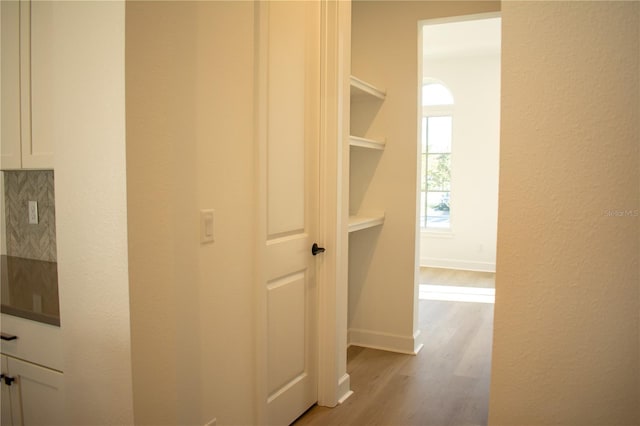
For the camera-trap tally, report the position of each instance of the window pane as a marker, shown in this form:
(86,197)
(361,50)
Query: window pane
(423,135)
(436,94)
(423,209)
(423,173)
(439,134)
(438,172)
(438,210)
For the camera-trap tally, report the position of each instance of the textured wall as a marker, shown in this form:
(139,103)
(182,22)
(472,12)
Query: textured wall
(87,72)
(24,239)
(566,347)
(189,77)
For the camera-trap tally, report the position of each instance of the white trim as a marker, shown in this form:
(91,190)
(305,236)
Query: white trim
(417,342)
(465,265)
(385,341)
(361,87)
(344,388)
(357,223)
(261,392)
(332,225)
(357,141)
(460,18)
(437,111)
(434,233)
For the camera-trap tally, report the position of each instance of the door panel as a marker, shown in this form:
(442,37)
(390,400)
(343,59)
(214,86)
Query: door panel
(286,88)
(286,323)
(292,133)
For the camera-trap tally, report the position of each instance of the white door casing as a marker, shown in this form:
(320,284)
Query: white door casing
(287,123)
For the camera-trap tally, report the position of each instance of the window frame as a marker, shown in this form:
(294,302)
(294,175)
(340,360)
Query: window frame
(426,113)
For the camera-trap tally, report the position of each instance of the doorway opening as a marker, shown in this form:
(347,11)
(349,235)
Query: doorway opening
(459,137)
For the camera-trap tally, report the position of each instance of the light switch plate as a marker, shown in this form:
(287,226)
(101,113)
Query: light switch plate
(206,226)
(33,212)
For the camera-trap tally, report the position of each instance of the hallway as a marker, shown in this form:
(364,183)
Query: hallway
(447,383)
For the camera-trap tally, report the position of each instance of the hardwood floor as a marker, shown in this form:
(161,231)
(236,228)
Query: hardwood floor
(441,276)
(447,383)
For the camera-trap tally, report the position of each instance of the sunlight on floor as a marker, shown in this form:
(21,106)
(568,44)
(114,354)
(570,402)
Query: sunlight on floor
(457,294)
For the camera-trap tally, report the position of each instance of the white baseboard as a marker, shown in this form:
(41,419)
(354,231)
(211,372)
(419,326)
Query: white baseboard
(384,341)
(464,265)
(344,388)
(417,342)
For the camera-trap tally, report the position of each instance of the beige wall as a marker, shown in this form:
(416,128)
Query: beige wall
(190,147)
(382,278)
(87,72)
(566,315)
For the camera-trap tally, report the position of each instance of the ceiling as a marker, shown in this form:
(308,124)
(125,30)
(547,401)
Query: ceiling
(468,38)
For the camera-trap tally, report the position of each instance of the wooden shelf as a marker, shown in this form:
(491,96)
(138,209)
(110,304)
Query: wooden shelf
(366,143)
(361,88)
(357,223)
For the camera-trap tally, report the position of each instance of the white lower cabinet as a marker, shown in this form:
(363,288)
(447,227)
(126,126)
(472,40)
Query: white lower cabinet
(32,383)
(34,394)
(7,408)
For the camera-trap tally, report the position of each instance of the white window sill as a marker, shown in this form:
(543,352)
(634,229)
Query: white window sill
(432,233)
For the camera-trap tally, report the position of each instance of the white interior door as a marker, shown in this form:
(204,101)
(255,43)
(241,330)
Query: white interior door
(290,102)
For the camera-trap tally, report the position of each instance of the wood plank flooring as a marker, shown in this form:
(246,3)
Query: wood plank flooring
(447,383)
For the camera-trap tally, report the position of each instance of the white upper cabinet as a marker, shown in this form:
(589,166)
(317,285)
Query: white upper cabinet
(27,124)
(10,87)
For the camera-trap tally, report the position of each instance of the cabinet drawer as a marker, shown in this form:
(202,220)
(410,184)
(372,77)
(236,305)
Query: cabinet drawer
(36,342)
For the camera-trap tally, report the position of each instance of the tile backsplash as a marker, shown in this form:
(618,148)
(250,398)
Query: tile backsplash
(24,239)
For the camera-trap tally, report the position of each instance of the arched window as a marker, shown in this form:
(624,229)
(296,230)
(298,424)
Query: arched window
(436,137)
(435,94)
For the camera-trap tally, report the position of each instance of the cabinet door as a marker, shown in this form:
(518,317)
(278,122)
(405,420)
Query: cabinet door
(36,30)
(41,393)
(10,409)
(10,156)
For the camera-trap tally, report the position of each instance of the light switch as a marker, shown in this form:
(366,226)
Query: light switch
(33,212)
(206,226)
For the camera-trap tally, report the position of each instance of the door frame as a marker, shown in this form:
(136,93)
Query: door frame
(333,381)
(332,273)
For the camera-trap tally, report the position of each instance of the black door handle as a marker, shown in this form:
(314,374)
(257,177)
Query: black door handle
(315,249)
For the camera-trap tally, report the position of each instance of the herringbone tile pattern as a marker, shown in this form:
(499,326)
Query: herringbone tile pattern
(23,239)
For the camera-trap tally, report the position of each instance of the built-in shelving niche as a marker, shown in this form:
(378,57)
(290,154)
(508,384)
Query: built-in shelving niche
(357,223)
(362,91)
